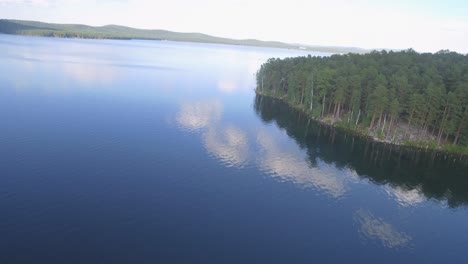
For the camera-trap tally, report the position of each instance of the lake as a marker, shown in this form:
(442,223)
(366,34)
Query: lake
(160,152)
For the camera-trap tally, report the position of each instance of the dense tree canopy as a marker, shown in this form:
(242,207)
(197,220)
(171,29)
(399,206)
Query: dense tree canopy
(380,91)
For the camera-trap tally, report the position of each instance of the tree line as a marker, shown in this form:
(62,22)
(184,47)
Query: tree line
(69,34)
(398,96)
(35,28)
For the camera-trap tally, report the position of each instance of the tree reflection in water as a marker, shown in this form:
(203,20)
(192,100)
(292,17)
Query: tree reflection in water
(416,173)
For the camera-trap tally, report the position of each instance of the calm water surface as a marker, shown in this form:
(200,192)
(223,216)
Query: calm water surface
(160,152)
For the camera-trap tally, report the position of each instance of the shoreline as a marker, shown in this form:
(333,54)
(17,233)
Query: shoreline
(415,145)
(118,32)
(161,40)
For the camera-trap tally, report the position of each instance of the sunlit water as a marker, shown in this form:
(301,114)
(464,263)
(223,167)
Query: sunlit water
(160,152)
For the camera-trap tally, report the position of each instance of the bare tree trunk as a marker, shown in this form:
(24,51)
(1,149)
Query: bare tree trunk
(357,119)
(390,126)
(394,131)
(329,107)
(312,94)
(302,96)
(372,121)
(323,105)
(409,123)
(457,135)
(383,127)
(380,120)
(442,125)
(424,124)
(262,83)
(334,110)
(338,112)
(440,136)
(460,128)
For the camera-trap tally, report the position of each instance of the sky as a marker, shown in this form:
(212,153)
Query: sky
(426,26)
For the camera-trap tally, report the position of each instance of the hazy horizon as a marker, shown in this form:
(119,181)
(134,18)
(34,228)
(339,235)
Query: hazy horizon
(426,26)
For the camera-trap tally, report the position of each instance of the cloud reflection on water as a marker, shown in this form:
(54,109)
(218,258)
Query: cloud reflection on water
(405,197)
(229,144)
(228,86)
(90,73)
(374,228)
(290,167)
(194,116)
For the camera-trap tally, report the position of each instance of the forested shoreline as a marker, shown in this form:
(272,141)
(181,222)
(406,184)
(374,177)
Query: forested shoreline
(404,98)
(437,175)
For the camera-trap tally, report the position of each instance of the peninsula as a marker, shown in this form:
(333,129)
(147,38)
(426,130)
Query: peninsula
(403,98)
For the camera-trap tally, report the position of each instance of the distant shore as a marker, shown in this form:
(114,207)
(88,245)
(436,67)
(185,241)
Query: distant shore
(35,28)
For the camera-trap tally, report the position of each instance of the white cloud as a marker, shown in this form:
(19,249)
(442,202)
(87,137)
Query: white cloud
(371,24)
(40,3)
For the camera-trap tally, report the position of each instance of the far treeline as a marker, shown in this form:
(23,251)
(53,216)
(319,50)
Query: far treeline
(35,28)
(399,97)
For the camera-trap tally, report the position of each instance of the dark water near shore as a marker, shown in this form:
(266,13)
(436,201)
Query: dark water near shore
(160,152)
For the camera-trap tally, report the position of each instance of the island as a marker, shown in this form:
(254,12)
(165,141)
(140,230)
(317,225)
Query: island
(402,98)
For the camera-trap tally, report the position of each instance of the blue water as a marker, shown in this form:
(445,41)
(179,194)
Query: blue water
(160,152)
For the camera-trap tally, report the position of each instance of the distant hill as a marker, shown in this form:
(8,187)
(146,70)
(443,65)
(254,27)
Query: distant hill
(33,28)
